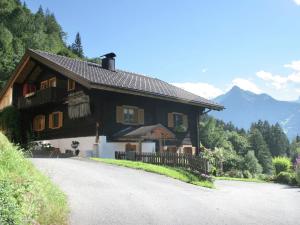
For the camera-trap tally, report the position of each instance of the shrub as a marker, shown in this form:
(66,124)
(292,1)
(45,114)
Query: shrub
(247,174)
(297,176)
(231,161)
(10,123)
(234,173)
(27,196)
(281,164)
(284,177)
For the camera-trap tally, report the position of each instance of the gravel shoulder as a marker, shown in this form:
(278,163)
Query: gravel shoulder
(100,193)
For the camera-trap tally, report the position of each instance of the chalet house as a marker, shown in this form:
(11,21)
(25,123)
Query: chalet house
(63,99)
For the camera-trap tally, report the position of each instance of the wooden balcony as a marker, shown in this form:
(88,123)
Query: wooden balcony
(42,97)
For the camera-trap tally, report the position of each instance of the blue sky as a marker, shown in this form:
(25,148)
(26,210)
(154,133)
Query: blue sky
(203,46)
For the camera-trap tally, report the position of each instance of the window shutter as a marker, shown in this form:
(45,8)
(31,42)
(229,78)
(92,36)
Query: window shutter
(60,119)
(185,121)
(170,120)
(43,123)
(141,119)
(51,120)
(119,114)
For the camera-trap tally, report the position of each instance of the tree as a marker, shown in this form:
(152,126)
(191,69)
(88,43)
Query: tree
(77,46)
(212,135)
(261,150)
(239,142)
(251,163)
(278,141)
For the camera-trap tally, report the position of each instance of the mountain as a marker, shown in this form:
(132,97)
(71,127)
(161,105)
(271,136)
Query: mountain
(244,107)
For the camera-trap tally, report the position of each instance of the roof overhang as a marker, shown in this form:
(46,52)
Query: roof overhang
(152,132)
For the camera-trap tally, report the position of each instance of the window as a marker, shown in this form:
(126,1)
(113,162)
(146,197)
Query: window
(71,85)
(130,115)
(39,123)
(44,84)
(55,120)
(52,82)
(178,119)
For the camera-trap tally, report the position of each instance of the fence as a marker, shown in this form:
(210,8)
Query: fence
(194,163)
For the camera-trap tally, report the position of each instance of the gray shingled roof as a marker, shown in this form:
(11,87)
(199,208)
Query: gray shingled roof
(119,79)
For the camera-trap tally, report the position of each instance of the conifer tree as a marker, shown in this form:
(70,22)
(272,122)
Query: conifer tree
(77,46)
(261,150)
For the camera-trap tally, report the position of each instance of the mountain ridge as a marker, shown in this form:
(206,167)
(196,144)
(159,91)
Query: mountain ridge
(245,107)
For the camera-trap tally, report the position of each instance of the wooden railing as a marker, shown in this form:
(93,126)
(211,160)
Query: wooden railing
(194,163)
(45,96)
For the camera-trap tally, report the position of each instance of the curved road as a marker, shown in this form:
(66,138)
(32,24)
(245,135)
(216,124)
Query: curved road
(105,194)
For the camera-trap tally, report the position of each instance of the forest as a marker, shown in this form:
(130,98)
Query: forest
(21,29)
(247,154)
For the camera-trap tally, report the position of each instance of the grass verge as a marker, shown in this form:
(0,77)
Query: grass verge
(175,173)
(240,179)
(26,195)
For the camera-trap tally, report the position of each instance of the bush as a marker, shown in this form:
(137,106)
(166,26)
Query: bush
(281,164)
(10,123)
(247,174)
(284,177)
(297,176)
(27,196)
(234,173)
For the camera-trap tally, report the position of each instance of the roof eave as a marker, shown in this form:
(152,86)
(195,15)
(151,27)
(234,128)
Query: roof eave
(151,95)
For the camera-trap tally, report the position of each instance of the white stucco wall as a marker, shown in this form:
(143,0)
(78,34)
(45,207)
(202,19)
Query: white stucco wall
(104,149)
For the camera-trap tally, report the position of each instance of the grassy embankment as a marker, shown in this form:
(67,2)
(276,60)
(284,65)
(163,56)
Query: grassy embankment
(175,173)
(26,195)
(241,179)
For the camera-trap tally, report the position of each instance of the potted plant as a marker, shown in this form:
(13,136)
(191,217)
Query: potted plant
(75,145)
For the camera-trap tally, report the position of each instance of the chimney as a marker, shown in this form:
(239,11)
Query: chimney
(108,62)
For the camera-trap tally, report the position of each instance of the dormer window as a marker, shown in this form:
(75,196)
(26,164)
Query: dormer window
(71,85)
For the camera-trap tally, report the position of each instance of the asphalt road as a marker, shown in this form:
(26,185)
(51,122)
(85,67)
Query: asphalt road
(105,194)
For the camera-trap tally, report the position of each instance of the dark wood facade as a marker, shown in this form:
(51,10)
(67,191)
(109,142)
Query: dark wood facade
(103,106)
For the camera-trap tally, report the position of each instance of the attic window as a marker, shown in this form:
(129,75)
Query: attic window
(71,85)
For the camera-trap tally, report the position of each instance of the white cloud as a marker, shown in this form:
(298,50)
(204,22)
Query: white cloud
(277,81)
(297,2)
(204,70)
(247,85)
(202,89)
(295,65)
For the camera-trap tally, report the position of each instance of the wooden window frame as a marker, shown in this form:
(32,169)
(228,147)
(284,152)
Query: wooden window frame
(51,80)
(60,120)
(42,117)
(71,85)
(136,114)
(171,121)
(46,83)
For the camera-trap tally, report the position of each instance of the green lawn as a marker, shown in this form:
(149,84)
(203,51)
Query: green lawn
(240,179)
(26,195)
(175,173)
